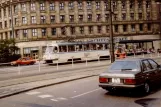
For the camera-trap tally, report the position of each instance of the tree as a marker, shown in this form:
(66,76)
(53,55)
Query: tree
(8,49)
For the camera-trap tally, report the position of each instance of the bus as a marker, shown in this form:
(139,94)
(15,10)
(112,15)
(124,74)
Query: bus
(76,51)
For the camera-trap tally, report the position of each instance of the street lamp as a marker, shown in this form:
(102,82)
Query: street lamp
(11,19)
(112,57)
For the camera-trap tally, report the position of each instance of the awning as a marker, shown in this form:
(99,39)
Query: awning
(138,41)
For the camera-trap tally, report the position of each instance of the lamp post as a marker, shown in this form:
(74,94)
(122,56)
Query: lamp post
(112,57)
(11,19)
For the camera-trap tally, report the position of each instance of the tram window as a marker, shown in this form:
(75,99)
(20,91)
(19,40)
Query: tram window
(55,50)
(99,47)
(63,49)
(85,47)
(77,47)
(106,46)
(71,48)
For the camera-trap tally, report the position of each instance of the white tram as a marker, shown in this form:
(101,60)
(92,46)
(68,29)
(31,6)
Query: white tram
(73,51)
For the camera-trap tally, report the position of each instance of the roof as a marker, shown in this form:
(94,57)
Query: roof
(137,41)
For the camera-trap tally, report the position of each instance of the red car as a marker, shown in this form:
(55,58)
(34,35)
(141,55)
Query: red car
(24,61)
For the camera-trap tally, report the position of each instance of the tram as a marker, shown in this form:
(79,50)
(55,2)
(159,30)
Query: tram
(76,51)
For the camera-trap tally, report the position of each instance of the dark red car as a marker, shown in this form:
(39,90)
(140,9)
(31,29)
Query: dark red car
(24,61)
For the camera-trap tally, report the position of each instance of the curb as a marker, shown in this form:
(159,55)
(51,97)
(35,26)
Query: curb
(42,86)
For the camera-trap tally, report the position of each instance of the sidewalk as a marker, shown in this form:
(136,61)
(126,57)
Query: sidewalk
(79,71)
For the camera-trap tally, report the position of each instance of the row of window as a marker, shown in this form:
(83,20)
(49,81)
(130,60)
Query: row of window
(71,6)
(72,30)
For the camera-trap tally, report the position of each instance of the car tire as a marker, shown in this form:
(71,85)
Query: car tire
(146,88)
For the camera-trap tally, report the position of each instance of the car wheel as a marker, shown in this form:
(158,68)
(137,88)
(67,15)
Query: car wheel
(146,88)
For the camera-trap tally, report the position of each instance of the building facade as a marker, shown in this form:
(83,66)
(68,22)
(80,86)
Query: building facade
(33,23)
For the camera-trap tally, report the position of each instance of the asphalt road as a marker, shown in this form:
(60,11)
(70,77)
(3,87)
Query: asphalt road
(80,93)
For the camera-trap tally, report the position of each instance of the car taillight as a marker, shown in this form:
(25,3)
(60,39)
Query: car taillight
(130,81)
(103,80)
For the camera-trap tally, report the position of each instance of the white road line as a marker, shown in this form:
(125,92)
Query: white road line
(33,93)
(85,93)
(61,98)
(54,100)
(45,96)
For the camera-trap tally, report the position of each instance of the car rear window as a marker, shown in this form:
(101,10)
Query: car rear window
(124,65)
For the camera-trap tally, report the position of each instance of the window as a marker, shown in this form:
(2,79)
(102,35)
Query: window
(106,5)
(62,18)
(24,20)
(4,11)
(148,16)
(132,16)
(123,4)
(99,29)
(34,32)
(141,27)
(42,19)
(107,29)
(140,4)
(71,5)
(16,21)
(24,32)
(72,30)
(33,19)
(114,4)
(33,7)
(80,6)
(98,17)
(148,3)
(23,7)
(80,18)
(132,4)
(116,28)
(61,6)
(149,26)
(63,30)
(89,17)
(43,31)
(1,25)
(52,18)
(5,24)
(90,29)
(15,9)
(97,5)
(89,7)
(115,17)
(71,17)
(147,65)
(124,28)
(42,6)
(81,29)
(140,16)
(52,6)
(133,28)
(153,64)
(123,16)
(53,31)
(106,17)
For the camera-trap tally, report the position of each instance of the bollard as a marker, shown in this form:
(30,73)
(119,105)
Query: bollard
(19,71)
(57,65)
(86,61)
(72,62)
(143,55)
(39,65)
(98,60)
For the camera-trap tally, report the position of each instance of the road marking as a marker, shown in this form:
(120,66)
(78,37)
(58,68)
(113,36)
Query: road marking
(54,100)
(45,96)
(85,93)
(33,93)
(61,98)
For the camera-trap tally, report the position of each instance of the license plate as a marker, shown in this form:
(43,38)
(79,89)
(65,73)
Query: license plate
(116,80)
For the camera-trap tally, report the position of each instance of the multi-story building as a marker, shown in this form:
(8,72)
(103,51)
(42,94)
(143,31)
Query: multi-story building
(34,22)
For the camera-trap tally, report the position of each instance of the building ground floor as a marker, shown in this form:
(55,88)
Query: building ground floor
(36,49)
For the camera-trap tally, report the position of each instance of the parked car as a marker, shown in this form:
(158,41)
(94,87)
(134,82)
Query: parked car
(131,74)
(24,61)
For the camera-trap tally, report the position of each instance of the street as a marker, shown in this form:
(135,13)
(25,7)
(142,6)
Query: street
(79,93)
